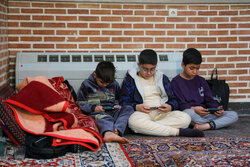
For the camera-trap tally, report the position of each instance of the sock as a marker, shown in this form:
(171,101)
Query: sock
(191,132)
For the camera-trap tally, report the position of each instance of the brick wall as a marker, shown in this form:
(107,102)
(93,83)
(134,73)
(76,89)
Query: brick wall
(220,31)
(3,44)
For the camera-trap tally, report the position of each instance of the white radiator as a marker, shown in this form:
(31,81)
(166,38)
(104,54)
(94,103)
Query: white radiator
(75,67)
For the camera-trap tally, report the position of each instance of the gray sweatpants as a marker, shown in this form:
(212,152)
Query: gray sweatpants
(226,119)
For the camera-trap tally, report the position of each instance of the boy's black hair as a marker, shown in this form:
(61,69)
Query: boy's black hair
(148,56)
(191,56)
(105,70)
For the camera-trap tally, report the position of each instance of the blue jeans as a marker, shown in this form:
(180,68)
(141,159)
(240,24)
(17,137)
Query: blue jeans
(225,120)
(108,121)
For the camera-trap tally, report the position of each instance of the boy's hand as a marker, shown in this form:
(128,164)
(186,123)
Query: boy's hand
(200,110)
(165,108)
(220,112)
(143,108)
(99,108)
(118,106)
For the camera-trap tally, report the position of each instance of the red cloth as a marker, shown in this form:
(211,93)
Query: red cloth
(41,109)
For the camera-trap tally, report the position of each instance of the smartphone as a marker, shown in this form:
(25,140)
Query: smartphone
(155,108)
(110,108)
(213,110)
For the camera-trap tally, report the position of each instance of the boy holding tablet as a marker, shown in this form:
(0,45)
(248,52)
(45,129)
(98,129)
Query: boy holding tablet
(195,97)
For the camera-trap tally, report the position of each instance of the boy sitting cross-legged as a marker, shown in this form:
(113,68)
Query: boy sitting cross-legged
(194,95)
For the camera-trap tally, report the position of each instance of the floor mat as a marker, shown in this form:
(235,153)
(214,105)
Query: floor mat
(209,151)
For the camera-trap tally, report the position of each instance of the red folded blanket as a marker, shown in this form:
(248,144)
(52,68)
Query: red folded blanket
(42,110)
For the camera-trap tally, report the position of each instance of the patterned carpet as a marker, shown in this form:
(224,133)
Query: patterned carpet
(209,151)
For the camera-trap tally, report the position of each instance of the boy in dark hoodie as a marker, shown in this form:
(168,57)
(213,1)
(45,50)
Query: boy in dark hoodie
(98,97)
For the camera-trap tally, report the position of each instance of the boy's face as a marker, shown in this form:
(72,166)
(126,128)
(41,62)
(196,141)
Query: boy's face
(100,82)
(190,70)
(146,70)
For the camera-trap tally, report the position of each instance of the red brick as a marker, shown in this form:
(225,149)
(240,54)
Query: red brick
(242,65)
(227,25)
(31,10)
(207,13)
(66,46)
(245,25)
(237,84)
(206,39)
(227,39)
(218,32)
(244,38)
(66,5)
(244,91)
(55,11)
(111,6)
(176,19)
(237,72)
(197,33)
(144,13)
(143,39)
(185,26)
(133,19)
(99,39)
(161,6)
(77,39)
(176,33)
(219,7)
(66,18)
(89,46)
(13,24)
(19,46)
(155,33)
(229,13)
(186,13)
(133,33)
(100,12)
(122,12)
(197,19)
(45,46)
(18,17)
(99,25)
(245,12)
(112,32)
(88,18)
(196,45)
(219,19)
(89,32)
(194,7)
(31,24)
(216,59)
(225,66)
(111,46)
(162,13)
(18,4)
(13,10)
(179,7)
(143,26)
(177,46)
(13,39)
(121,39)
(240,7)
(238,45)
(19,31)
(217,45)
(42,17)
(240,19)
(44,32)
(31,39)
(78,11)
(132,6)
(77,25)
(54,25)
(132,46)
(66,32)
(89,5)
(43,5)
(240,32)
(243,52)
(164,39)
(111,19)
(164,26)
(54,39)
(206,26)
(227,52)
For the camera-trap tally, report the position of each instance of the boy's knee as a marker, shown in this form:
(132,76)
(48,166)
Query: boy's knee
(189,111)
(232,114)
